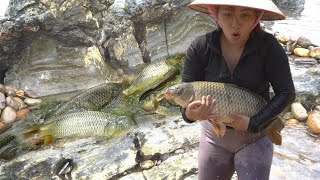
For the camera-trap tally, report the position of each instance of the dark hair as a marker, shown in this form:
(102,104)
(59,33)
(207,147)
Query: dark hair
(257,31)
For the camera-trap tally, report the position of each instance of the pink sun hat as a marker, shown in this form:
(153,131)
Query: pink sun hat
(269,9)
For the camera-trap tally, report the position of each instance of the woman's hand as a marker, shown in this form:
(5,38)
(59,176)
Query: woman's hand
(238,122)
(201,110)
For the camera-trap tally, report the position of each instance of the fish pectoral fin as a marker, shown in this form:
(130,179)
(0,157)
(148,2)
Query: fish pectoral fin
(219,128)
(150,105)
(48,139)
(89,106)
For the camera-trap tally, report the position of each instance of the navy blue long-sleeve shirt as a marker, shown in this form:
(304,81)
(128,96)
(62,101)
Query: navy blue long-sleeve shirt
(263,62)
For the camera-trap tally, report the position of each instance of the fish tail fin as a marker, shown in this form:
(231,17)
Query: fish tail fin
(28,137)
(274,136)
(274,131)
(36,134)
(31,130)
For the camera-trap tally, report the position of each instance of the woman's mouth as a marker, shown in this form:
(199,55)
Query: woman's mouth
(235,36)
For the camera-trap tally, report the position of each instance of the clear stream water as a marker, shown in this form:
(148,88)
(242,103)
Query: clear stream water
(299,156)
(307,24)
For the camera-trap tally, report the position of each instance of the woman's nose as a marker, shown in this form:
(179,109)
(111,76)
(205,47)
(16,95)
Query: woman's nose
(235,22)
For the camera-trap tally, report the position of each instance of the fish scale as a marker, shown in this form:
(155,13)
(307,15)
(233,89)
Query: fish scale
(152,75)
(98,96)
(230,98)
(88,123)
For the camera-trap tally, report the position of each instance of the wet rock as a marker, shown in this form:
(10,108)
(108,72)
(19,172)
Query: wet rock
(8,153)
(2,89)
(22,113)
(2,101)
(304,61)
(32,102)
(314,51)
(304,42)
(10,101)
(8,115)
(147,164)
(31,94)
(2,127)
(298,111)
(293,7)
(287,115)
(20,93)
(302,52)
(291,122)
(313,122)
(21,103)
(282,38)
(316,108)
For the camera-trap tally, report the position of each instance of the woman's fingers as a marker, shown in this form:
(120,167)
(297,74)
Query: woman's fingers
(194,104)
(202,109)
(212,104)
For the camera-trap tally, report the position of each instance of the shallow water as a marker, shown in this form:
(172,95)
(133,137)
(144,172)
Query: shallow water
(307,24)
(298,156)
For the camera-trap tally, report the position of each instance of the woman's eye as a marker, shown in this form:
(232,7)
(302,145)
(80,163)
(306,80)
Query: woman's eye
(244,15)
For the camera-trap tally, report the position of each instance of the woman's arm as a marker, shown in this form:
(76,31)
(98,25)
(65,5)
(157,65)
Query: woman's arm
(193,68)
(278,74)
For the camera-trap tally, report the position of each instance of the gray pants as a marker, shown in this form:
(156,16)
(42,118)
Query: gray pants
(249,154)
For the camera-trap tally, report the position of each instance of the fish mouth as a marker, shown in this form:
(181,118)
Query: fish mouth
(168,95)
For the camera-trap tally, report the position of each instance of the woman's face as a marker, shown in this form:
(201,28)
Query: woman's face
(236,23)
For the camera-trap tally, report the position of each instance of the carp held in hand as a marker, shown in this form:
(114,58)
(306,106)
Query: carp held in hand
(231,98)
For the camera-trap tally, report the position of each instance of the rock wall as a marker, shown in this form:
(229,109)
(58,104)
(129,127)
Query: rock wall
(57,46)
(85,42)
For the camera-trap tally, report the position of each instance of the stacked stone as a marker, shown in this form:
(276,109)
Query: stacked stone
(300,49)
(310,118)
(15,104)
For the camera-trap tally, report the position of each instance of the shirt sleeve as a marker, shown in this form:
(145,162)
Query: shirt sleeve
(278,73)
(193,68)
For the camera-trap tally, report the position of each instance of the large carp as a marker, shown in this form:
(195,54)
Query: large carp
(91,99)
(231,98)
(154,74)
(87,123)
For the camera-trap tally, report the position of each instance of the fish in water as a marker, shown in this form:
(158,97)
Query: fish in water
(84,124)
(231,98)
(91,99)
(154,74)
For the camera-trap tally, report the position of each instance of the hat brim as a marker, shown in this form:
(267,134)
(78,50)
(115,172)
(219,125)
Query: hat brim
(271,11)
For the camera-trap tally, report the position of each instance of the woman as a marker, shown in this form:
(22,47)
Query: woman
(241,53)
